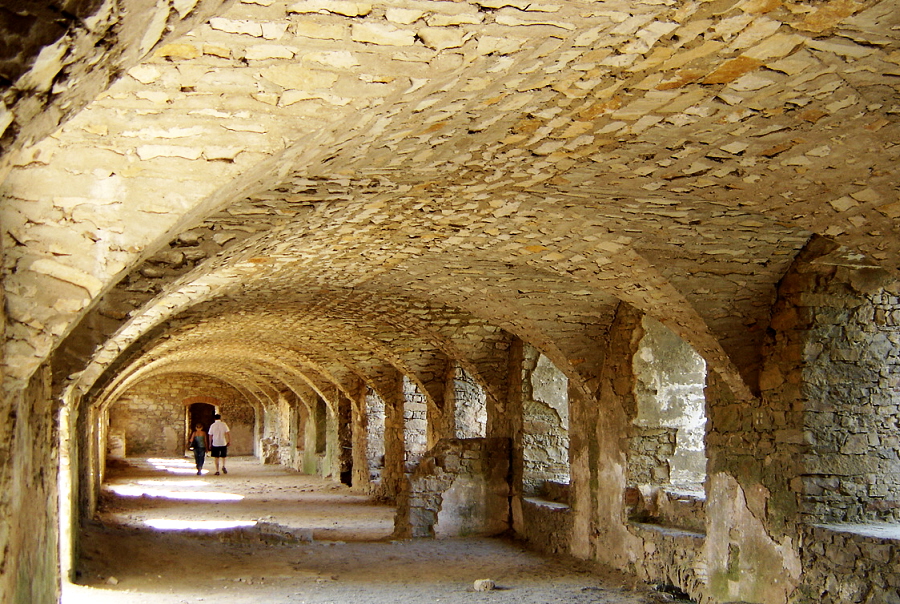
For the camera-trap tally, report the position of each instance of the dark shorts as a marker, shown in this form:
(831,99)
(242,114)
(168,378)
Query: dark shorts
(218,451)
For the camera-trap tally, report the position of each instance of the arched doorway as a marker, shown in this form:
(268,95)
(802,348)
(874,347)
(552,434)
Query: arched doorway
(200,413)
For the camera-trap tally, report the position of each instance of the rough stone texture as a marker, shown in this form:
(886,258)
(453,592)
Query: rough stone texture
(57,56)
(548,526)
(305,200)
(852,564)
(470,407)
(153,416)
(840,317)
(375,436)
(460,489)
(671,416)
(545,424)
(415,425)
(28,466)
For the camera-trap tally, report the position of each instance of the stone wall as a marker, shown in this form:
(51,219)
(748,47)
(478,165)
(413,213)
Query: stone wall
(547,525)
(545,423)
(29,563)
(375,413)
(470,405)
(669,441)
(856,564)
(415,424)
(153,415)
(835,368)
(460,488)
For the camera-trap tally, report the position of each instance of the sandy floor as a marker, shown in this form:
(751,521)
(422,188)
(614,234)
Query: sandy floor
(262,534)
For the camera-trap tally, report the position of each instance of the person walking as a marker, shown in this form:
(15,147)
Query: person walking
(198,442)
(220,437)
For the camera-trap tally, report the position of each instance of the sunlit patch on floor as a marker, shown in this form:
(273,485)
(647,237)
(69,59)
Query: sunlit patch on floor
(134,490)
(167,524)
(174,466)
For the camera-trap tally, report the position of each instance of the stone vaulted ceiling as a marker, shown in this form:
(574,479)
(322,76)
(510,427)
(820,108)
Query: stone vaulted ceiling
(315,192)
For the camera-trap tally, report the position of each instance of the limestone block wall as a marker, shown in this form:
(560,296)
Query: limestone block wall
(853,416)
(415,424)
(548,527)
(460,488)
(375,413)
(545,423)
(153,415)
(670,427)
(470,405)
(851,565)
(838,326)
(280,443)
(29,571)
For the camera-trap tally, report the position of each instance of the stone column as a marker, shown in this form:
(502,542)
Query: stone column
(394,442)
(344,438)
(598,445)
(360,438)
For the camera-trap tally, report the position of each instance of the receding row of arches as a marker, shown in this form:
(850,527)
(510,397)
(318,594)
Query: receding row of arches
(661,470)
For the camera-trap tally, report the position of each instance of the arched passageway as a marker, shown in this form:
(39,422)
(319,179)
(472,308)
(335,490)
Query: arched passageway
(457,257)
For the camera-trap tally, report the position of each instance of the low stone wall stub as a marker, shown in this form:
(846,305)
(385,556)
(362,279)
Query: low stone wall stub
(460,488)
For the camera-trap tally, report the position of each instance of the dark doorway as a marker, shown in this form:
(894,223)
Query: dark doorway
(200,413)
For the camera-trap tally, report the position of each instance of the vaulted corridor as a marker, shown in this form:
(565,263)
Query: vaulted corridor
(616,278)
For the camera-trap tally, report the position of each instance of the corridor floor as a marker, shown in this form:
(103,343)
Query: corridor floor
(264,534)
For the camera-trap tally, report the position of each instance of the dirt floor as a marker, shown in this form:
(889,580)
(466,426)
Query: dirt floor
(263,534)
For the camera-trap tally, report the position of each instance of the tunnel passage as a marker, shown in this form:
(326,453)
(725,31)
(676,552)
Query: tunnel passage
(362,224)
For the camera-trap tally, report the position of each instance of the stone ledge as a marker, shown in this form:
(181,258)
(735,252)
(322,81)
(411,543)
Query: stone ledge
(873,530)
(546,503)
(668,531)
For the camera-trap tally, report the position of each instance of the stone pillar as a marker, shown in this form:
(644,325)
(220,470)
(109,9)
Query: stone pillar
(359,461)
(439,414)
(28,535)
(468,411)
(394,442)
(506,420)
(598,445)
(345,435)
(415,424)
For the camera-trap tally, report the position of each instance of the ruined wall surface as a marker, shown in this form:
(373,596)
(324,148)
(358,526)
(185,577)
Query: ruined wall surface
(374,424)
(470,405)
(415,424)
(29,552)
(280,442)
(545,422)
(599,442)
(845,321)
(77,62)
(461,488)
(670,427)
(851,565)
(547,525)
(152,415)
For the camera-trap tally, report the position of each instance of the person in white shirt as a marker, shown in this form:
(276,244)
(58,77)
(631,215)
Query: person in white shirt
(220,437)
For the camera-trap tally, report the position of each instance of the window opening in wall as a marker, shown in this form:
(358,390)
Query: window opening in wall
(545,433)
(667,457)
(470,413)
